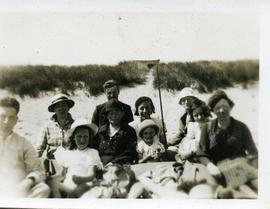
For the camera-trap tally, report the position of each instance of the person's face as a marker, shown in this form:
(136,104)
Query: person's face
(199,115)
(115,116)
(81,138)
(112,92)
(61,109)
(148,135)
(222,109)
(186,103)
(8,119)
(145,110)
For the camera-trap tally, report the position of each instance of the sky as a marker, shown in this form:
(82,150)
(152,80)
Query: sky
(42,34)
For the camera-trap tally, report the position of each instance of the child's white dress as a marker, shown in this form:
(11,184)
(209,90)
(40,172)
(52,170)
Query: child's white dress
(77,162)
(190,142)
(145,150)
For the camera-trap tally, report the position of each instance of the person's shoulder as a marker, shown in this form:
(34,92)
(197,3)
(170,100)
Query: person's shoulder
(100,106)
(239,124)
(20,140)
(125,105)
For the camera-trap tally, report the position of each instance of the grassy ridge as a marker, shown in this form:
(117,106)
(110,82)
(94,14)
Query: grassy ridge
(34,80)
(207,75)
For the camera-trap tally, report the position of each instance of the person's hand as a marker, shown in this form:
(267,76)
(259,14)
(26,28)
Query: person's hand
(25,185)
(213,169)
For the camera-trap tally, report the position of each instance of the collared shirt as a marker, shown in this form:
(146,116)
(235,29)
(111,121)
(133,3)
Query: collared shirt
(52,134)
(219,144)
(19,160)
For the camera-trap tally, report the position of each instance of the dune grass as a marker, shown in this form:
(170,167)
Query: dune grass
(207,75)
(34,80)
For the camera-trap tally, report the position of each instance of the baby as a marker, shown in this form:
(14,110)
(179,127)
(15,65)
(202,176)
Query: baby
(150,149)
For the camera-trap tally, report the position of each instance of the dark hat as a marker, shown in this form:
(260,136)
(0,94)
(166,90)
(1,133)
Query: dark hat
(109,84)
(141,100)
(113,104)
(59,98)
(216,97)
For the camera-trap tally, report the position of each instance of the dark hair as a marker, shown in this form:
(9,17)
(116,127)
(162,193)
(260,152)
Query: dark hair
(216,97)
(141,100)
(200,104)
(73,145)
(10,102)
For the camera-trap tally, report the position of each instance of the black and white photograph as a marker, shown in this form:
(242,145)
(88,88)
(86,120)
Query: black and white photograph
(134,104)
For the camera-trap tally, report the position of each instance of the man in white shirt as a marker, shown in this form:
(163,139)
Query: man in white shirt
(21,173)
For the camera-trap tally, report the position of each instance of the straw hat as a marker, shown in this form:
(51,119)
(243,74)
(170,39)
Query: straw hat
(59,98)
(146,124)
(186,92)
(81,122)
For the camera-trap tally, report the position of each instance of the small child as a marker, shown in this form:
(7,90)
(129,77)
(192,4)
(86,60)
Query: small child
(144,108)
(200,114)
(150,149)
(80,161)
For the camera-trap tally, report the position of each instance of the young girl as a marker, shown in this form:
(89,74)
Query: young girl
(79,160)
(200,114)
(144,109)
(150,149)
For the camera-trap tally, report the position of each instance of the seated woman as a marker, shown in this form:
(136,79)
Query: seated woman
(200,114)
(150,149)
(79,160)
(186,100)
(144,109)
(225,138)
(116,141)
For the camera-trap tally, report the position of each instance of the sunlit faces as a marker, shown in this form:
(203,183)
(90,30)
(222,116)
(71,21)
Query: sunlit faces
(8,119)
(61,109)
(112,92)
(145,109)
(199,115)
(222,109)
(115,116)
(82,138)
(148,135)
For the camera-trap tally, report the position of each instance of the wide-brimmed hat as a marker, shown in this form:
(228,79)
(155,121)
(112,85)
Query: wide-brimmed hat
(146,124)
(186,92)
(216,97)
(59,98)
(81,122)
(113,104)
(141,100)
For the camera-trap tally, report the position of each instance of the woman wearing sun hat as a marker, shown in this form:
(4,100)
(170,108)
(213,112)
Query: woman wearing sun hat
(53,133)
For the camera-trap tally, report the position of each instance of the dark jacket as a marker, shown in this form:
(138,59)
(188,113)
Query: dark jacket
(121,148)
(99,117)
(218,144)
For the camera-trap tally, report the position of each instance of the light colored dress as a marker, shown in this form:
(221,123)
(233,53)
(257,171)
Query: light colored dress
(154,150)
(77,162)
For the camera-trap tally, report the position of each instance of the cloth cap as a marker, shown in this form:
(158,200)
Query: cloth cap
(146,124)
(59,98)
(113,104)
(109,84)
(216,97)
(81,122)
(186,92)
(141,100)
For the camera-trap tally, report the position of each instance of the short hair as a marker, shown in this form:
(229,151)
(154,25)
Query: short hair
(109,84)
(10,102)
(141,100)
(216,97)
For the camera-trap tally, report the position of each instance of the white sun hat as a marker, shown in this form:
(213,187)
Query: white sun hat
(81,122)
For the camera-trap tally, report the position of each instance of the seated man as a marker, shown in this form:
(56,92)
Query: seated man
(111,90)
(21,172)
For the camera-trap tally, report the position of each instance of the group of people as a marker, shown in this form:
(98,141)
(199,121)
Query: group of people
(81,158)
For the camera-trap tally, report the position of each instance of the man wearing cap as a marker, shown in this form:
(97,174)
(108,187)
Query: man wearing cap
(21,173)
(111,90)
